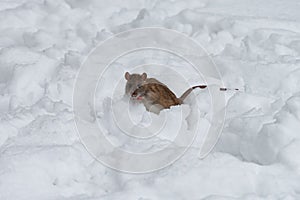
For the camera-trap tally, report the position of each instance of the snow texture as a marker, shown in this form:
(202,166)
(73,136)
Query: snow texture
(256,46)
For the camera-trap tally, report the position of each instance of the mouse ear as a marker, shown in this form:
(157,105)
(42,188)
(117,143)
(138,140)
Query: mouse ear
(144,76)
(127,75)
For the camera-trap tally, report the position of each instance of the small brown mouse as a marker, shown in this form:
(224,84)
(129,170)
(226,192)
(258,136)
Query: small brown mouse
(155,95)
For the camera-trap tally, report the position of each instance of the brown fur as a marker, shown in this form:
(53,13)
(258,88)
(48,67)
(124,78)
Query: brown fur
(156,97)
(156,94)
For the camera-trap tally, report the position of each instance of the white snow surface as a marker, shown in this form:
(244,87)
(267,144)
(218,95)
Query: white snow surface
(256,47)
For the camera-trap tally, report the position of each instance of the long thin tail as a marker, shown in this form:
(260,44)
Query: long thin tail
(188,91)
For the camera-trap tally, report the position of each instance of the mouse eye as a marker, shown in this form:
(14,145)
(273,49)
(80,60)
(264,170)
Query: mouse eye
(139,85)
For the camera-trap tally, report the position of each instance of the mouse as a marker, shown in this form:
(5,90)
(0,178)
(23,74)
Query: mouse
(155,95)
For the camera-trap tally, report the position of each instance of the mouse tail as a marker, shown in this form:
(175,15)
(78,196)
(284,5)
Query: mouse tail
(188,91)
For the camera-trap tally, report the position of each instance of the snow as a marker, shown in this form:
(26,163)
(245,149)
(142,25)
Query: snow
(256,47)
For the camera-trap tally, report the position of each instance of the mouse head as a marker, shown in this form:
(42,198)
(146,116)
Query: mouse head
(134,81)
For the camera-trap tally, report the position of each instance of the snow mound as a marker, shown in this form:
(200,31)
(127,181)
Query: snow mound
(256,47)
